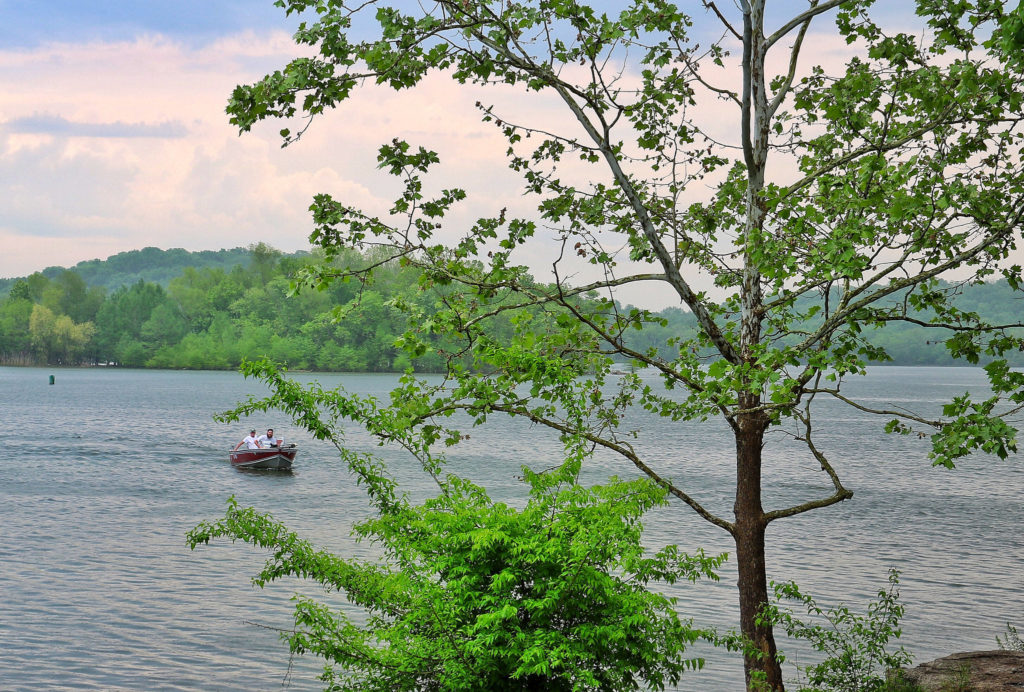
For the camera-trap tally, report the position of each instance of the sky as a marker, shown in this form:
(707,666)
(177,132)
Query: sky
(113,135)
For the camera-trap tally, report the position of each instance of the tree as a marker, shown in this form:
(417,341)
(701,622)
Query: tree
(37,284)
(42,328)
(57,338)
(15,336)
(165,326)
(20,291)
(122,316)
(71,339)
(69,295)
(858,187)
(264,260)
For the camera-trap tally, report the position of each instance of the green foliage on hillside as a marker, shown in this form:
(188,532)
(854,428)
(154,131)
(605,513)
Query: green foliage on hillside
(149,264)
(210,317)
(213,317)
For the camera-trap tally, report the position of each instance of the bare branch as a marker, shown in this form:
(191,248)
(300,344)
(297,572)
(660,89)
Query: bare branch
(977,328)
(803,18)
(748,51)
(725,22)
(840,493)
(791,75)
(879,412)
(625,450)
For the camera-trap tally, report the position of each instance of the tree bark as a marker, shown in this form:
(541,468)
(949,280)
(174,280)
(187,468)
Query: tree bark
(749,536)
(750,422)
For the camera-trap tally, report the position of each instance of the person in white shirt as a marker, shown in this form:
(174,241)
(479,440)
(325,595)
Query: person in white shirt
(268,440)
(250,441)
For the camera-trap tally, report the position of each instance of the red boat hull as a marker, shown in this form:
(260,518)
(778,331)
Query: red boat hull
(274,459)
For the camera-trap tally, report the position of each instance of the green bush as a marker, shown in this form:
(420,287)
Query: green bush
(471,594)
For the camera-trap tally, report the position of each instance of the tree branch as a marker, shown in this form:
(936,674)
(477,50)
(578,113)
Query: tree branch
(840,493)
(803,18)
(672,274)
(725,22)
(791,75)
(624,450)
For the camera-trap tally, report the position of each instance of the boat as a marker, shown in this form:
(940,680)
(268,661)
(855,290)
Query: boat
(268,458)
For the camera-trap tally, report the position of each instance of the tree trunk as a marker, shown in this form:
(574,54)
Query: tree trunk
(749,536)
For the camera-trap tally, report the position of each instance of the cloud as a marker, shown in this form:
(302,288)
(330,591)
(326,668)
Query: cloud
(120,144)
(62,127)
(123,145)
(108,144)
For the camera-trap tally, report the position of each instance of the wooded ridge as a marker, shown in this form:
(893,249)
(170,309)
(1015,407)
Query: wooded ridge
(208,310)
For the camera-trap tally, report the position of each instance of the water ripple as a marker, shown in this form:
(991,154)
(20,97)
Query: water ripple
(101,593)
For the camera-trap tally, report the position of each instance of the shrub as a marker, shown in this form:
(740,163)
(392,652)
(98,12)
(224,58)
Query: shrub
(1012,642)
(476,595)
(855,646)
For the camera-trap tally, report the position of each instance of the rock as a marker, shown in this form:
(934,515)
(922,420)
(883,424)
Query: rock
(972,671)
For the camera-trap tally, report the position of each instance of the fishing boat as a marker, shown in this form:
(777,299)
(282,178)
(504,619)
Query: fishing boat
(268,458)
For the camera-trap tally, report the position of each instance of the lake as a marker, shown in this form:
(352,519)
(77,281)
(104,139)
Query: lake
(108,468)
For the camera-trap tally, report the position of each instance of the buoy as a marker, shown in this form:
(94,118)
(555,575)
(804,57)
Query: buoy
(51,379)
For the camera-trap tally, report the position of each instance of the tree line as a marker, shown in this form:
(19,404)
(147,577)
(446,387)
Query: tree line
(213,317)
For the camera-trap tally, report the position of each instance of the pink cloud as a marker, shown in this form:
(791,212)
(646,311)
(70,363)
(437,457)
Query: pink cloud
(212,188)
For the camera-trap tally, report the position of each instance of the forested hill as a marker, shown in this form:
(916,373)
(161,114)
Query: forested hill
(150,264)
(209,310)
(906,343)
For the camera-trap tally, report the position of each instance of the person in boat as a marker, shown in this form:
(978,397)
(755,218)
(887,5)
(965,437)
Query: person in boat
(268,440)
(250,441)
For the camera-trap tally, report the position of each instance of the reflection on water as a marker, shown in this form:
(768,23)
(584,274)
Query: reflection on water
(114,466)
(265,472)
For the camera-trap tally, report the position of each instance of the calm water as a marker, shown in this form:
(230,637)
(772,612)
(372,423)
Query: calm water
(108,469)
